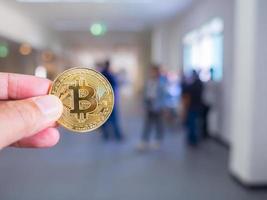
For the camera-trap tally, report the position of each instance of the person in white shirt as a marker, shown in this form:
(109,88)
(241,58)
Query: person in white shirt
(210,107)
(154,100)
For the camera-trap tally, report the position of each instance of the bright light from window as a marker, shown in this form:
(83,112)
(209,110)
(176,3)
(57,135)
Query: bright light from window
(217,25)
(41,71)
(195,56)
(206,50)
(203,49)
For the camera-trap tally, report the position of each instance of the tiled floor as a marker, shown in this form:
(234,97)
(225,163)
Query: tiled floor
(83,167)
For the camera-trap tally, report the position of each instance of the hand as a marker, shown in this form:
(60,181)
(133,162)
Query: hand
(27,113)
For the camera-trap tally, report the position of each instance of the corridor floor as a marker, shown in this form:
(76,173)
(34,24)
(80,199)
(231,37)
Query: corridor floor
(83,167)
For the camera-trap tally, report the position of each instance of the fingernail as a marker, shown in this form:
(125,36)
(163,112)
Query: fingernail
(50,106)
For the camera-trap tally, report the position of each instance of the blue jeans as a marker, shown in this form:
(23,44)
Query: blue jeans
(153,119)
(193,127)
(112,125)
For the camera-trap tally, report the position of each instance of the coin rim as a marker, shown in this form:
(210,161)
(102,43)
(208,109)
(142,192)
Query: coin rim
(84,131)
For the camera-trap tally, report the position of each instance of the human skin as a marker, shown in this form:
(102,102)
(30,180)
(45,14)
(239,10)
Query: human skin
(27,114)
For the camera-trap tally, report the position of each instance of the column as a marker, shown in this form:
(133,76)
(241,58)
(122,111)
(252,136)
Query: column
(248,159)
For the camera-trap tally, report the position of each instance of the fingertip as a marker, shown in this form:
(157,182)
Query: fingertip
(50,105)
(54,134)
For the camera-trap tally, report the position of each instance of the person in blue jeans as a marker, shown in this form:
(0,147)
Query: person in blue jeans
(194,91)
(153,104)
(113,122)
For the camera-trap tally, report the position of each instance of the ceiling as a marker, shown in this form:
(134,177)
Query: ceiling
(118,15)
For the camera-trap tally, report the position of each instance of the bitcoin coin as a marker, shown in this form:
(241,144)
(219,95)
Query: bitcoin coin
(87,98)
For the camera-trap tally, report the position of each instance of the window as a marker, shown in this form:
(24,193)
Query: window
(203,50)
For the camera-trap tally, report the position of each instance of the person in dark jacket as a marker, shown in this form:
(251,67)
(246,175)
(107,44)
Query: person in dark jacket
(194,91)
(113,121)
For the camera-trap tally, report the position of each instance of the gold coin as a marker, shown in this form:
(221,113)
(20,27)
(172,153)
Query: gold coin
(87,98)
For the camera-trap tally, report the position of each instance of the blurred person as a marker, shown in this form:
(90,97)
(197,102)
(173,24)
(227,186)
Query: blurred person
(27,113)
(172,94)
(184,98)
(163,75)
(153,99)
(210,105)
(193,92)
(99,66)
(113,121)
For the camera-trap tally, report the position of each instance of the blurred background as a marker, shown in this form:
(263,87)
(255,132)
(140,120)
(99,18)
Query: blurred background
(189,76)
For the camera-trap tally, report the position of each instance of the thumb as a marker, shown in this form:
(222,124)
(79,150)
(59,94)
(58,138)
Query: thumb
(23,118)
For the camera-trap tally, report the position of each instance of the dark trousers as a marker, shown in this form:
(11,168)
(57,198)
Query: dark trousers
(153,119)
(205,123)
(193,127)
(112,125)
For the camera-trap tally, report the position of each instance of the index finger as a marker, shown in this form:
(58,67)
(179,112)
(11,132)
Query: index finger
(17,86)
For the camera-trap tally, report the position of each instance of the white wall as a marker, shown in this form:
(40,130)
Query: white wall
(160,45)
(168,49)
(249,128)
(17,26)
(242,108)
(259,131)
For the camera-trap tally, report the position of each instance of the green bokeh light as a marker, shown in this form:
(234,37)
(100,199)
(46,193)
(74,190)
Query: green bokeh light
(3,51)
(98,29)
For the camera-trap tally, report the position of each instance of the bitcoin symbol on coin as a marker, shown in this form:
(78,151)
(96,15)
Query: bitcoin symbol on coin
(87,98)
(84,99)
